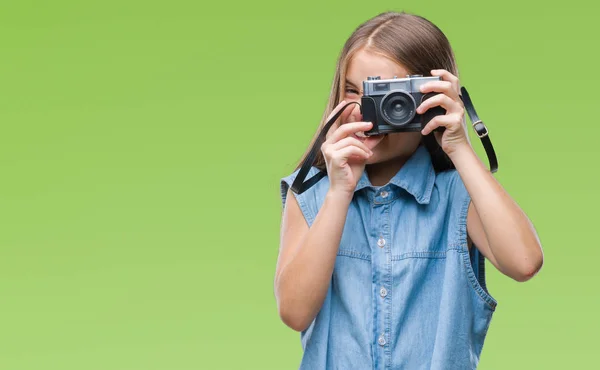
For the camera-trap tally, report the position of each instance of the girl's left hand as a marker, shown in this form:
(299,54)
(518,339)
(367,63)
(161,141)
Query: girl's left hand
(455,135)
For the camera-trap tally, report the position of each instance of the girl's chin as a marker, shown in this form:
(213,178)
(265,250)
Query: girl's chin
(372,160)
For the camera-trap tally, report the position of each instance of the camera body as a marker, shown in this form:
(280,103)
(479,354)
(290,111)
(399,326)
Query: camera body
(391,104)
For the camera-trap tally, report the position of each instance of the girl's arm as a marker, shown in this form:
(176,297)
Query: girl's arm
(307,257)
(495,223)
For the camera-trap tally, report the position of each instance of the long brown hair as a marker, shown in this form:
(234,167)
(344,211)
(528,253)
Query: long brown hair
(408,39)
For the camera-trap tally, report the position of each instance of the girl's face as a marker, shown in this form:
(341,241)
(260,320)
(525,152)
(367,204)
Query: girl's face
(361,66)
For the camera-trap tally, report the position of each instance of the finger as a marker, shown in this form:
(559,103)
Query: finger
(350,141)
(447,76)
(444,87)
(349,129)
(441,100)
(342,156)
(447,120)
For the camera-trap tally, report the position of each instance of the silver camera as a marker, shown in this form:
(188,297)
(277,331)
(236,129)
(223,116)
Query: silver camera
(391,105)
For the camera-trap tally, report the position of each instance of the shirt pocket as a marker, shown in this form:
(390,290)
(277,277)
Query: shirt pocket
(419,232)
(354,242)
(354,246)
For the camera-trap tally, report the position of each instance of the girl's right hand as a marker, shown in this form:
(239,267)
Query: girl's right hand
(345,155)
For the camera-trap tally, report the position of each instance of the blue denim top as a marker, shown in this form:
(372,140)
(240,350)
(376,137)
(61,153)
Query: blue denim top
(406,291)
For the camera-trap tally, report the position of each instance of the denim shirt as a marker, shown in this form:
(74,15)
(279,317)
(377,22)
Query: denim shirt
(406,291)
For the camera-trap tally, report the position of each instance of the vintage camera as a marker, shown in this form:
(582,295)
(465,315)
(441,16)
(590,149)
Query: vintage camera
(391,105)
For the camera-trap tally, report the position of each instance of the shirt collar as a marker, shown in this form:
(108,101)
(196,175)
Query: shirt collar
(416,176)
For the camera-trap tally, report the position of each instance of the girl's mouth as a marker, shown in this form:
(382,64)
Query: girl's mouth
(360,136)
(370,141)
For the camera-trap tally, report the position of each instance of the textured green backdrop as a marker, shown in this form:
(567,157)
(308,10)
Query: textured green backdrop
(142,145)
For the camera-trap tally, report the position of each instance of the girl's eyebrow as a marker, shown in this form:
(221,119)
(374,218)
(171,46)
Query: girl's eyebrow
(350,83)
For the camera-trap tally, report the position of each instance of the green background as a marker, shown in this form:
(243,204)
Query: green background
(142,145)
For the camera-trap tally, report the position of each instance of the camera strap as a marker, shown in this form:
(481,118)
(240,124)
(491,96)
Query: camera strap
(299,185)
(480,129)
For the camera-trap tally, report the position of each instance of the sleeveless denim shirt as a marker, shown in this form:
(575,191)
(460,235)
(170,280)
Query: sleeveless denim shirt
(406,291)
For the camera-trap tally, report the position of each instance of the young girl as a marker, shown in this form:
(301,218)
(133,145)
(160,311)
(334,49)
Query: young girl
(381,264)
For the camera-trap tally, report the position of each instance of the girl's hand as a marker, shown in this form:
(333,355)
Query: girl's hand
(345,155)
(455,135)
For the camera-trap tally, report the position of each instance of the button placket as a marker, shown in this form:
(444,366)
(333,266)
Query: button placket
(381,269)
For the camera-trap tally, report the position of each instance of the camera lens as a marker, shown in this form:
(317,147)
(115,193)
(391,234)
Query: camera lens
(398,108)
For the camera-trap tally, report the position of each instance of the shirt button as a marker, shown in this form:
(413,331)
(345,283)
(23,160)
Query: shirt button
(381,340)
(383,292)
(384,194)
(381,242)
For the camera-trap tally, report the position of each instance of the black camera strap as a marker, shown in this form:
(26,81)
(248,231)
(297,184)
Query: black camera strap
(480,129)
(299,186)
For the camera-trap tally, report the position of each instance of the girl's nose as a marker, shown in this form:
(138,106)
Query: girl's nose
(355,115)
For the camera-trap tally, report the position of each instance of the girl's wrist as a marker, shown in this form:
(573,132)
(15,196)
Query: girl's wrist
(461,153)
(340,197)
(465,159)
